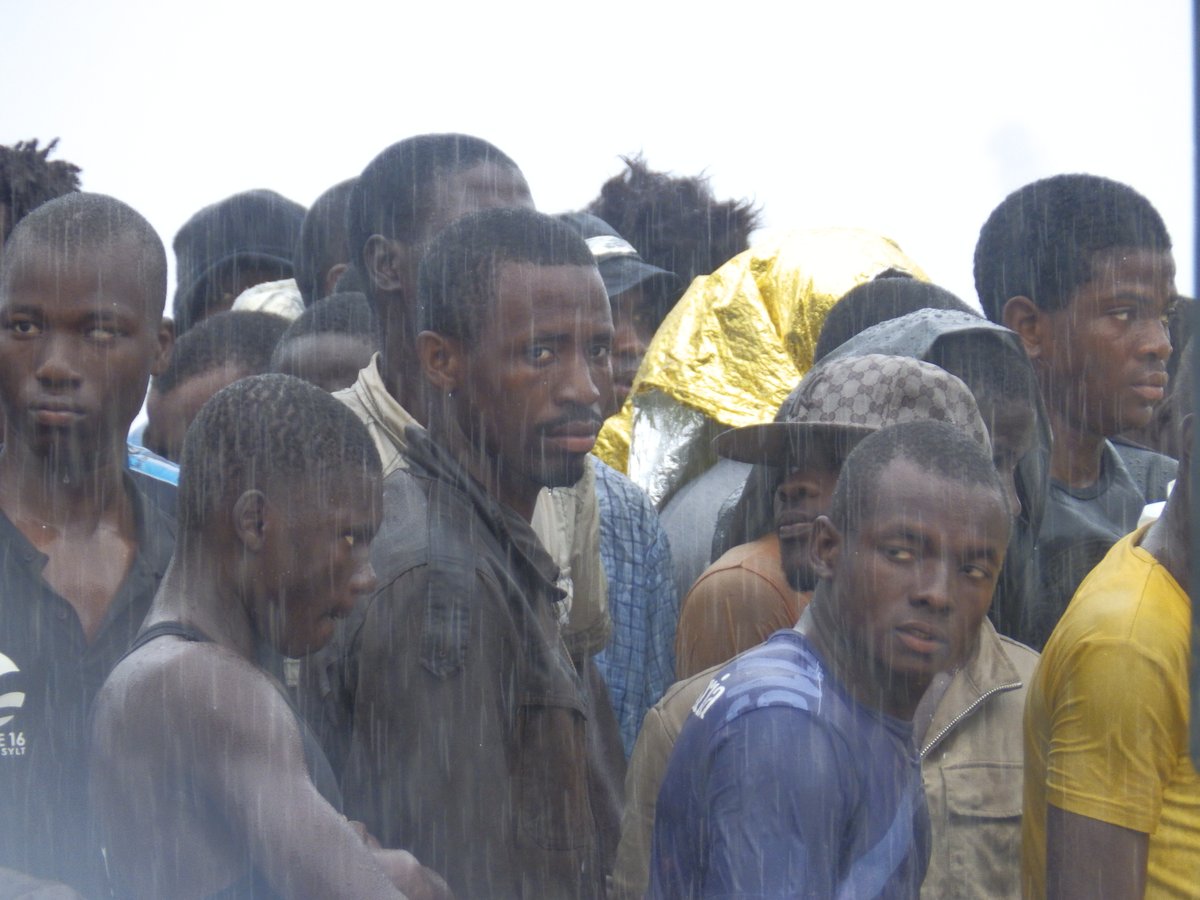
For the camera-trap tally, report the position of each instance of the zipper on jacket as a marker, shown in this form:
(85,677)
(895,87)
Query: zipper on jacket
(966,712)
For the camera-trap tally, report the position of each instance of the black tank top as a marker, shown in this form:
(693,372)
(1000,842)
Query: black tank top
(253,886)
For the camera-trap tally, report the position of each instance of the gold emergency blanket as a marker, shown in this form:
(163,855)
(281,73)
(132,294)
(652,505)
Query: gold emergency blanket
(734,346)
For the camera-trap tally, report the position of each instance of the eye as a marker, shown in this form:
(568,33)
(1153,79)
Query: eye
(540,355)
(101,334)
(24,327)
(600,353)
(899,554)
(350,538)
(976,573)
(1122,315)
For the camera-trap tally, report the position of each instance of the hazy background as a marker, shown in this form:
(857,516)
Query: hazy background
(914,119)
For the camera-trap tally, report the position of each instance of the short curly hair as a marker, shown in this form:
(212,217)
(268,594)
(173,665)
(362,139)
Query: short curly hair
(1041,241)
(238,337)
(260,429)
(28,179)
(675,222)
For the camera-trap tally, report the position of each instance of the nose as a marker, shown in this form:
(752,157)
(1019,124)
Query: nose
(1156,339)
(54,368)
(585,381)
(364,580)
(934,589)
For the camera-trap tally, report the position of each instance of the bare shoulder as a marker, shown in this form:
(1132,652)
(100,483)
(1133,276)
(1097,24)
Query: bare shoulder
(177,688)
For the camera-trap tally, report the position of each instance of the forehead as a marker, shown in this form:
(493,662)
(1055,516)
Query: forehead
(818,453)
(529,298)
(340,490)
(111,273)
(1138,270)
(909,496)
(459,193)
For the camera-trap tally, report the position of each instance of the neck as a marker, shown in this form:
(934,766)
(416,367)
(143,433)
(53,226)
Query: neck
(1076,453)
(401,369)
(202,594)
(483,467)
(59,490)
(852,666)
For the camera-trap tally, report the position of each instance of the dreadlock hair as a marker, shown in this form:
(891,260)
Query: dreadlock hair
(938,448)
(28,179)
(1042,240)
(78,223)
(323,242)
(260,432)
(239,338)
(674,222)
(457,280)
(878,301)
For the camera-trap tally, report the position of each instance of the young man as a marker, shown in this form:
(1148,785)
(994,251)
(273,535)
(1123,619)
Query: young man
(969,729)
(796,773)
(472,731)
(229,246)
(1111,796)
(1080,268)
(330,343)
(323,250)
(641,296)
(194,746)
(213,355)
(82,286)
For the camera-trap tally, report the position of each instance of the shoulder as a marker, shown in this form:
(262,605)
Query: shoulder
(1024,659)
(1150,470)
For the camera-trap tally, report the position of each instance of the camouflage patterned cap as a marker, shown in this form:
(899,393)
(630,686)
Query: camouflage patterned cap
(841,401)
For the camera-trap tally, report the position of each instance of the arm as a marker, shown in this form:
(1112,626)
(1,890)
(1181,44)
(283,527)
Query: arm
(248,759)
(1087,858)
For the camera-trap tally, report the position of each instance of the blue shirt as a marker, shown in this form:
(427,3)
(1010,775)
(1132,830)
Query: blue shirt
(782,785)
(638,665)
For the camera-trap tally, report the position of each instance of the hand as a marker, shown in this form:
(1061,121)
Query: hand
(416,881)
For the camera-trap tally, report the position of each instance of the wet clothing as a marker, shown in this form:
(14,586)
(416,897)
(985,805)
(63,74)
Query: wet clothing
(971,759)
(473,742)
(972,765)
(1106,725)
(566,519)
(254,885)
(49,676)
(740,600)
(638,665)
(1081,525)
(782,785)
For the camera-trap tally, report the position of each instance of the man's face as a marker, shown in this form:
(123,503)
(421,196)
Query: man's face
(538,374)
(914,574)
(327,359)
(316,562)
(1103,358)
(79,336)
(169,415)
(1011,427)
(634,326)
(805,493)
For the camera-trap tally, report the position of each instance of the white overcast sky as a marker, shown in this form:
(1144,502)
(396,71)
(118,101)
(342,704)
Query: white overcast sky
(913,119)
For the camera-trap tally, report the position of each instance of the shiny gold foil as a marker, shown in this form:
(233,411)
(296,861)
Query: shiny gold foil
(740,338)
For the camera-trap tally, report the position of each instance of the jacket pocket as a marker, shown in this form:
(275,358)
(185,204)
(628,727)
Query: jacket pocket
(552,787)
(982,839)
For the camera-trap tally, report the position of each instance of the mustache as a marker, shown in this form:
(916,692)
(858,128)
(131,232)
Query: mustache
(581,416)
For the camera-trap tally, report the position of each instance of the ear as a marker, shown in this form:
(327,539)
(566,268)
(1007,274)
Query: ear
(386,262)
(443,361)
(329,282)
(1022,315)
(250,519)
(166,343)
(824,547)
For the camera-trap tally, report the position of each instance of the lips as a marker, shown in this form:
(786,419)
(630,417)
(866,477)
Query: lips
(1152,388)
(55,413)
(575,436)
(793,528)
(921,638)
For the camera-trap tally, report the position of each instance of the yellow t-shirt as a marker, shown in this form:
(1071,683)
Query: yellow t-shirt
(1106,720)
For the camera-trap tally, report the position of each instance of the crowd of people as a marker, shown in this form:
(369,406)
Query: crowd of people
(470,551)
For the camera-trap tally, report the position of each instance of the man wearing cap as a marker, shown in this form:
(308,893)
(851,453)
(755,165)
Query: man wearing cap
(970,728)
(229,246)
(638,664)
(641,296)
